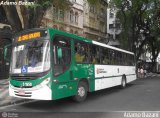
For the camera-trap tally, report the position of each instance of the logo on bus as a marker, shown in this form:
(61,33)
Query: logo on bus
(4,114)
(100,70)
(24,69)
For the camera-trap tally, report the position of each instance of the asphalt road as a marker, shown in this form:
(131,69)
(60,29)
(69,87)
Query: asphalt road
(140,95)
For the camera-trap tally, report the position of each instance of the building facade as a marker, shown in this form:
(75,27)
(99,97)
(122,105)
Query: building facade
(113,25)
(70,20)
(95,20)
(81,18)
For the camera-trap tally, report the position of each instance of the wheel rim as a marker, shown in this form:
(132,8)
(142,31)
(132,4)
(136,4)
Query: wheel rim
(123,83)
(81,91)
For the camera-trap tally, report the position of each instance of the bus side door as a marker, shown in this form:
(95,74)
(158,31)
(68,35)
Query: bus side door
(64,85)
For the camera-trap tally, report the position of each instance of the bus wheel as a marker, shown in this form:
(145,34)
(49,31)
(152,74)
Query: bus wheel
(81,92)
(123,83)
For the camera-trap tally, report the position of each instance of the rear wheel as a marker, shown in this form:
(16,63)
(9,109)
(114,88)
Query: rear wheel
(81,92)
(123,83)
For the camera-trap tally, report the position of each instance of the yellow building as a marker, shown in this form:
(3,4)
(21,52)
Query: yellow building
(70,20)
(95,20)
(82,18)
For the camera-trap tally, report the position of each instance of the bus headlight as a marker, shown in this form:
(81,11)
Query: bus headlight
(46,81)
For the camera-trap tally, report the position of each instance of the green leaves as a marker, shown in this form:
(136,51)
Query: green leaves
(141,24)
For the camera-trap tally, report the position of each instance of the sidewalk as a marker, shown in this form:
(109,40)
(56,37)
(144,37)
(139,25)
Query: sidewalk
(5,99)
(148,75)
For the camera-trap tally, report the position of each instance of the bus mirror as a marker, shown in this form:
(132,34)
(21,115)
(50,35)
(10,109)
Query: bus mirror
(59,52)
(6,52)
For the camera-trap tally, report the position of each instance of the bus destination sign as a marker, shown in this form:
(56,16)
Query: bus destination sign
(29,36)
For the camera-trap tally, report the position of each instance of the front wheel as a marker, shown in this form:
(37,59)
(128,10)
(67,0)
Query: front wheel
(81,92)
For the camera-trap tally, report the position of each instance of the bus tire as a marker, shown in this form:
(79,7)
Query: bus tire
(123,82)
(81,92)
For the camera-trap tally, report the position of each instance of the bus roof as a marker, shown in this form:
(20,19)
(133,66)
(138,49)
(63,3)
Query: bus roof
(111,47)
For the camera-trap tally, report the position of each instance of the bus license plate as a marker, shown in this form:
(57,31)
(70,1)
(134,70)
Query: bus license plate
(21,92)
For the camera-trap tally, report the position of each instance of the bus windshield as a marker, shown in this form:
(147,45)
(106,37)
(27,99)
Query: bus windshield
(31,57)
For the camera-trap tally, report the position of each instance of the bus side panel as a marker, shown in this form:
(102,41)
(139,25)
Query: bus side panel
(85,71)
(63,89)
(107,76)
(131,78)
(67,86)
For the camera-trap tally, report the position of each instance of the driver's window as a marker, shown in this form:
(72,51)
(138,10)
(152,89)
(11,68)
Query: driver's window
(61,54)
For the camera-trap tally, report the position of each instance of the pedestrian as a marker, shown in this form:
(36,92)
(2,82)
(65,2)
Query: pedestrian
(141,72)
(145,72)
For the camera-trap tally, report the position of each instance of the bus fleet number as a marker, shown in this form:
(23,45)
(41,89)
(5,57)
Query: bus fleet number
(27,84)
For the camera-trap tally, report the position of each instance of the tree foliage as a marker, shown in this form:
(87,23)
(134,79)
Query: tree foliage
(30,16)
(140,25)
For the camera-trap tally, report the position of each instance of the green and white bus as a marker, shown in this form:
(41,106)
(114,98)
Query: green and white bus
(48,64)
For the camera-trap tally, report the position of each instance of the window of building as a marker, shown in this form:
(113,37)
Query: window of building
(111,14)
(111,26)
(61,15)
(76,17)
(71,16)
(55,14)
(92,9)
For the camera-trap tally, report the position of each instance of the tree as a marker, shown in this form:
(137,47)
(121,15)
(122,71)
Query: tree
(31,15)
(140,24)
(154,40)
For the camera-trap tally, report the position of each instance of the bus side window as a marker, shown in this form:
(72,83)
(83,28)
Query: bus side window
(93,54)
(85,53)
(121,58)
(106,56)
(98,54)
(90,53)
(82,52)
(115,57)
(79,52)
(131,60)
(112,53)
(124,59)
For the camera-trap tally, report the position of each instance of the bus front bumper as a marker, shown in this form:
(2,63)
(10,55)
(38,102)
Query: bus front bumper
(40,93)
